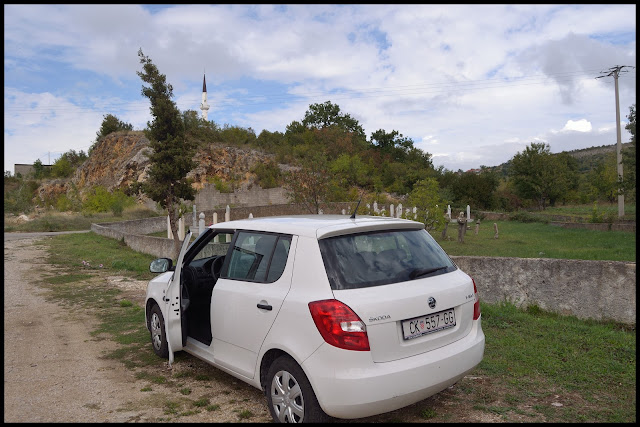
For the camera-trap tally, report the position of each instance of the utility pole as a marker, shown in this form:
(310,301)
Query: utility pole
(615,72)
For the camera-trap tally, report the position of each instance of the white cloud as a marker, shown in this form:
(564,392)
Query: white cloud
(581,125)
(477,82)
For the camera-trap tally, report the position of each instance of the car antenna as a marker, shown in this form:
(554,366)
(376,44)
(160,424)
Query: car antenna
(353,215)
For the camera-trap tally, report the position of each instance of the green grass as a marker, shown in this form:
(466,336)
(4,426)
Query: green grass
(69,250)
(534,356)
(537,240)
(585,211)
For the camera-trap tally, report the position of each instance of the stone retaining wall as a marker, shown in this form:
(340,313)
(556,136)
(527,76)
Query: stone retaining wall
(601,290)
(210,198)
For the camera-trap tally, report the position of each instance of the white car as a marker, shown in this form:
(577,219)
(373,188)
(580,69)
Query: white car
(327,314)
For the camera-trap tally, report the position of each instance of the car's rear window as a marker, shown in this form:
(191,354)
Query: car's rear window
(372,259)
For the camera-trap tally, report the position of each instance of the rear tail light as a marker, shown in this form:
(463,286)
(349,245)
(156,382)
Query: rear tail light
(476,305)
(339,325)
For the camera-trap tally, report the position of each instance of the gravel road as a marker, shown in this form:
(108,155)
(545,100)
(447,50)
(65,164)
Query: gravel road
(52,368)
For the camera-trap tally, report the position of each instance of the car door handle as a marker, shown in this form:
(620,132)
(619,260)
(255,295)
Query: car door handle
(265,307)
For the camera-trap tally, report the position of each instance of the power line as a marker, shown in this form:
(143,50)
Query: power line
(406,90)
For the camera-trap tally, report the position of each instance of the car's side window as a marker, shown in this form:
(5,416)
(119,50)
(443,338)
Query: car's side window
(279,259)
(258,257)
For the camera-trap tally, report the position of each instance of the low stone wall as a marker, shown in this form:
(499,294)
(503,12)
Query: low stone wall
(601,290)
(138,226)
(156,246)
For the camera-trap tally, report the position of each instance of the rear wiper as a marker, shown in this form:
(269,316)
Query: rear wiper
(423,271)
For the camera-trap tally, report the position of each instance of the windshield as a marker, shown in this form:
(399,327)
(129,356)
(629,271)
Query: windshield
(380,258)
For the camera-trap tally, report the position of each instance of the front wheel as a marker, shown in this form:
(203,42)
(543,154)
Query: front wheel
(158,336)
(289,394)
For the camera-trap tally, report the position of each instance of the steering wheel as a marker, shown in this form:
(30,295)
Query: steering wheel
(216,266)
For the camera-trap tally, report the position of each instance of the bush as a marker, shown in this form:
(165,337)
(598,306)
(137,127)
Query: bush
(18,195)
(100,200)
(235,135)
(63,203)
(268,174)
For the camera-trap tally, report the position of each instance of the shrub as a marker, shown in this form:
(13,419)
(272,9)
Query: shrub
(268,174)
(18,196)
(100,200)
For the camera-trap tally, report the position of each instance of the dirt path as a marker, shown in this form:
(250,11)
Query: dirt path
(52,369)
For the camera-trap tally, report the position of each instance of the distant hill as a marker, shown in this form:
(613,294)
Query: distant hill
(587,158)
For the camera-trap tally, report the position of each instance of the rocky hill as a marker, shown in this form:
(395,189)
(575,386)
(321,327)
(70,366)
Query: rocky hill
(121,159)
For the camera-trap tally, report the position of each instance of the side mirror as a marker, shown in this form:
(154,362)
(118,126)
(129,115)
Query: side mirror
(160,265)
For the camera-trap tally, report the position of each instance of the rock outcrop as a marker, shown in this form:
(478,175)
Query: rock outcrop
(122,158)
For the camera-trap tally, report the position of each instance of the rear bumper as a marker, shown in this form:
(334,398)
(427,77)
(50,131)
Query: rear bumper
(348,384)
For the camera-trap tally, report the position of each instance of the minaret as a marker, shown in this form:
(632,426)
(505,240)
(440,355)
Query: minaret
(204,106)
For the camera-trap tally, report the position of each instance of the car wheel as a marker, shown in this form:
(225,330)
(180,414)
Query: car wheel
(158,336)
(289,394)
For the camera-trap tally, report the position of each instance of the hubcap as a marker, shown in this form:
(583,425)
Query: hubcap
(156,331)
(286,397)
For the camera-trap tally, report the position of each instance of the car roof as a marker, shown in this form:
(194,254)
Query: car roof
(319,226)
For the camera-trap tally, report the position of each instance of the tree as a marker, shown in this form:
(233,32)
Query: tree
(426,197)
(309,185)
(629,156)
(38,169)
(603,179)
(172,156)
(110,124)
(393,143)
(540,176)
(66,164)
(475,189)
(325,115)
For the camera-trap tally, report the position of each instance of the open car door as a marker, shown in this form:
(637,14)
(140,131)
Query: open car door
(175,304)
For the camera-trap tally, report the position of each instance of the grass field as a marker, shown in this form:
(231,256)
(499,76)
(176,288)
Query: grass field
(537,367)
(538,240)
(585,212)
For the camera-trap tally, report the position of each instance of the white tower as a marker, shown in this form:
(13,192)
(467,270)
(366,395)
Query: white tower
(204,106)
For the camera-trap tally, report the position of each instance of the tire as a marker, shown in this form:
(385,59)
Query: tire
(290,397)
(158,336)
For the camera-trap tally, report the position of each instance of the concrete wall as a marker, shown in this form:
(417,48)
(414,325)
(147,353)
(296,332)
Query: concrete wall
(156,246)
(26,169)
(209,198)
(600,290)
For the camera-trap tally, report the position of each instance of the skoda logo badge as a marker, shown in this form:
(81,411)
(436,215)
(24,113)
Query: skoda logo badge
(432,302)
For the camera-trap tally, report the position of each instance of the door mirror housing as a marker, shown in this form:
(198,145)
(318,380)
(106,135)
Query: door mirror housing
(160,265)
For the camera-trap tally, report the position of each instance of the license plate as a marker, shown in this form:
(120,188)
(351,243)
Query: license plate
(419,326)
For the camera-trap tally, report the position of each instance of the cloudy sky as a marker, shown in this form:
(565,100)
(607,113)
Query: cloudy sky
(470,84)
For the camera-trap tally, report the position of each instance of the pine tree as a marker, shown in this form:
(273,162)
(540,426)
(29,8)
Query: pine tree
(172,156)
